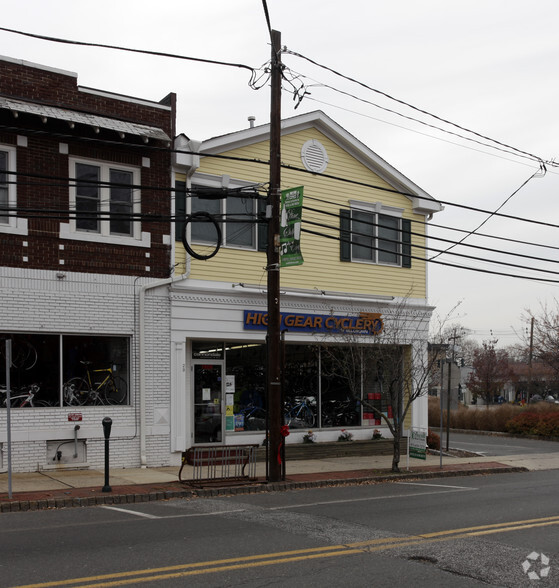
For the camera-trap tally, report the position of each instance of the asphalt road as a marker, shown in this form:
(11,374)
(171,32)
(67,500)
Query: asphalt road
(498,444)
(459,532)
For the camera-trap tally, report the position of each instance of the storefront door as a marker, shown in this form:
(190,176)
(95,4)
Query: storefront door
(208,402)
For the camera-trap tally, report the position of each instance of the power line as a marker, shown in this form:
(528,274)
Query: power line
(420,110)
(128,49)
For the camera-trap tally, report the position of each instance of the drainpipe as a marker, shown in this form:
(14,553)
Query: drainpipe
(142,346)
(190,161)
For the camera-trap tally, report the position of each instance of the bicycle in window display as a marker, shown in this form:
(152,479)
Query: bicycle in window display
(99,386)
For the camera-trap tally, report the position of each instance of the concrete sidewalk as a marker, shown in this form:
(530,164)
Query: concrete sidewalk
(64,488)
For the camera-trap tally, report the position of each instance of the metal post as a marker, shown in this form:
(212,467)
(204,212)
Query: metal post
(273,267)
(8,414)
(107,423)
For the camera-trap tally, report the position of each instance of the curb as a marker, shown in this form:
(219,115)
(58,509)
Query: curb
(257,488)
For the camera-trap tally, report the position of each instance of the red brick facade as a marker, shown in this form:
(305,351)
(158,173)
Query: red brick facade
(44,149)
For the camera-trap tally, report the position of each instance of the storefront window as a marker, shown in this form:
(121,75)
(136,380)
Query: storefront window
(341,377)
(55,370)
(246,372)
(323,386)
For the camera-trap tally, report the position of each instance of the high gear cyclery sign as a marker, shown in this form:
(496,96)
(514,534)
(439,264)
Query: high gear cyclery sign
(365,323)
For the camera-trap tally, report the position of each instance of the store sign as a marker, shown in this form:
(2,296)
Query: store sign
(365,323)
(418,444)
(75,417)
(291,212)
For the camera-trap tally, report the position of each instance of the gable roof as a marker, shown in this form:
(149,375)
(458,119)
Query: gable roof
(423,203)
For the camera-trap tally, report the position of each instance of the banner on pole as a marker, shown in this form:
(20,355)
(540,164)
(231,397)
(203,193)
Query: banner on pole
(291,209)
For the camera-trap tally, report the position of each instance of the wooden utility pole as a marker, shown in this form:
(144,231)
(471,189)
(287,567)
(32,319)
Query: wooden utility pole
(530,357)
(274,466)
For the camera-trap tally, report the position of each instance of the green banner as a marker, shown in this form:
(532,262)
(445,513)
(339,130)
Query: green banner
(290,227)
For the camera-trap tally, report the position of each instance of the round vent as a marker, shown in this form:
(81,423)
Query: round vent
(314,156)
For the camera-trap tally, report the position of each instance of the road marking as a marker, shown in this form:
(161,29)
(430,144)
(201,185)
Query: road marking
(391,497)
(266,559)
(131,512)
(436,485)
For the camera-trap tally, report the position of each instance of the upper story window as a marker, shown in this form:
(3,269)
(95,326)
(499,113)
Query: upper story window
(105,199)
(237,214)
(10,222)
(104,189)
(4,200)
(369,235)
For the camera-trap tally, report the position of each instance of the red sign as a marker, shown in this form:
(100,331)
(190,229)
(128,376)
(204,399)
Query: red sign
(75,416)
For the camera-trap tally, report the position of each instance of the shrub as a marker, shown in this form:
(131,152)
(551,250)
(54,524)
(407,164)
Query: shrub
(433,440)
(543,424)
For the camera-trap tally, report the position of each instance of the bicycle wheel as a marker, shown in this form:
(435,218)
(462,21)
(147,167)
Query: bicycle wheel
(75,392)
(305,416)
(114,391)
(41,403)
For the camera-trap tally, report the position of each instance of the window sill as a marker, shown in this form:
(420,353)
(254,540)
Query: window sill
(67,233)
(19,228)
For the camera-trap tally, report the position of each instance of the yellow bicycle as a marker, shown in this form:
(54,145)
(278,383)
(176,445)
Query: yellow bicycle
(100,386)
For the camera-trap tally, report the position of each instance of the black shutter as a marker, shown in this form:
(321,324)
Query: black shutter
(406,242)
(262,225)
(180,209)
(345,235)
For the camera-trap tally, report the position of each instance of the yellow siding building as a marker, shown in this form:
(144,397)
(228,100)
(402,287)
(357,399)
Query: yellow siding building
(362,237)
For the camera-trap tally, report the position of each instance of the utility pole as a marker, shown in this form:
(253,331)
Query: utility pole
(274,466)
(451,361)
(529,391)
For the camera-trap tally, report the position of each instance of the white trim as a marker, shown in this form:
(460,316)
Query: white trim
(38,66)
(69,230)
(16,225)
(225,181)
(124,98)
(329,128)
(377,207)
(67,233)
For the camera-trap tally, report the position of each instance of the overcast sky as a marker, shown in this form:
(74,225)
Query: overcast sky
(486,65)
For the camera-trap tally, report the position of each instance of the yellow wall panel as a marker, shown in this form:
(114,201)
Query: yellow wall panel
(322,268)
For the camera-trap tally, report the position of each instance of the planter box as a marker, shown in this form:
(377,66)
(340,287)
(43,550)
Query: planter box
(298,451)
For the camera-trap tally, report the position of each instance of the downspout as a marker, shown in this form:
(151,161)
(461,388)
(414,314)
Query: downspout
(142,346)
(189,161)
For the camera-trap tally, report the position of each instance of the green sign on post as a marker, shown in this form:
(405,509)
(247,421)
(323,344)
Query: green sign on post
(290,227)
(418,444)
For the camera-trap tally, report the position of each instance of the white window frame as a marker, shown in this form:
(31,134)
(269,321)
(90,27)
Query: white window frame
(376,208)
(220,182)
(70,231)
(16,225)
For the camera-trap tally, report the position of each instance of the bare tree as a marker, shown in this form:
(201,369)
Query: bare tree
(491,372)
(544,344)
(388,371)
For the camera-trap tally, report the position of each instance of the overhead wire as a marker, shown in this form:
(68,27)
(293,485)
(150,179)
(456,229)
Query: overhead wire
(417,109)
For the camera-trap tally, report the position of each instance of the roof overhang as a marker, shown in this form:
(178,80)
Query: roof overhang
(423,202)
(73,117)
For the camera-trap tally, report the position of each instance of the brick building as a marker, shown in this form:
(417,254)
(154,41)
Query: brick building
(85,232)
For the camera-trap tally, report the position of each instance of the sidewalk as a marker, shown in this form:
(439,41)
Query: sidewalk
(66,488)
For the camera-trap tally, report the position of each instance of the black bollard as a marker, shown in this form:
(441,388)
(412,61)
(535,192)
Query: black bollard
(107,423)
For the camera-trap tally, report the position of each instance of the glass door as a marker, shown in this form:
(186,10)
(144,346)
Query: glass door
(208,403)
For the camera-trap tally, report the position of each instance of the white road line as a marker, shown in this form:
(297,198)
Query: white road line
(391,497)
(131,512)
(436,485)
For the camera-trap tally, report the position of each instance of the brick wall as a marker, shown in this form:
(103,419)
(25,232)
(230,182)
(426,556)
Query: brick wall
(45,148)
(36,302)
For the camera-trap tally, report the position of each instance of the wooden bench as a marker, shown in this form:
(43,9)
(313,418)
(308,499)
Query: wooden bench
(218,464)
